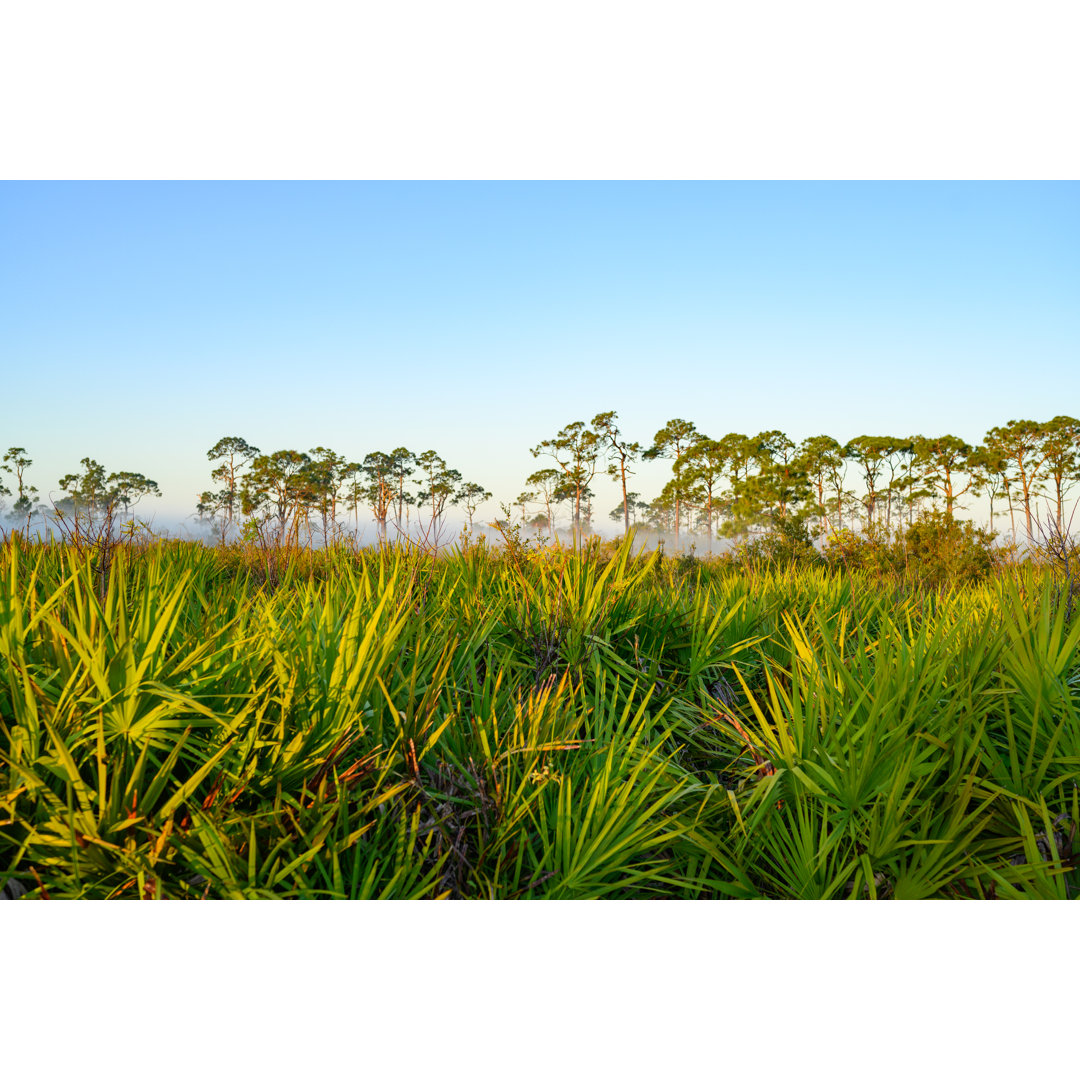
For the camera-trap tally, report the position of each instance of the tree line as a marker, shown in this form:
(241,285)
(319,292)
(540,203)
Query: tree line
(722,487)
(317,490)
(738,483)
(290,491)
(88,491)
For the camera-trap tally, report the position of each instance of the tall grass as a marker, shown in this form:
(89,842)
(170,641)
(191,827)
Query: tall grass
(516,724)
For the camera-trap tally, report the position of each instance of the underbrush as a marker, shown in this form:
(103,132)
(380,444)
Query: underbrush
(934,550)
(527,723)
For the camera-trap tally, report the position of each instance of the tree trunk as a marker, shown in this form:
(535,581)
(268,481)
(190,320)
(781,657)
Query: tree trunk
(625,508)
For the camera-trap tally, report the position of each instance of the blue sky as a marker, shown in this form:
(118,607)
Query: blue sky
(140,322)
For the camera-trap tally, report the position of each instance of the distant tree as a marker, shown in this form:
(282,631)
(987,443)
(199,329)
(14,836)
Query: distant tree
(703,467)
(896,460)
(1020,443)
(575,449)
(742,501)
(16,463)
(402,462)
(768,480)
(989,475)
(378,488)
(617,512)
(472,496)
(93,496)
(822,462)
(692,498)
(910,488)
(672,441)
(784,479)
(522,503)
(660,514)
(621,454)
(234,454)
(438,485)
(86,491)
(125,489)
(941,461)
(741,454)
(550,483)
(1061,460)
(277,486)
(213,508)
(326,472)
(351,482)
(871,454)
(567,492)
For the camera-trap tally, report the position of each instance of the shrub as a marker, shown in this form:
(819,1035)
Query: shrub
(787,541)
(944,549)
(934,549)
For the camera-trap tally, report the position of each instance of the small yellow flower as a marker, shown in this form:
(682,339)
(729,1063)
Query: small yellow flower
(543,775)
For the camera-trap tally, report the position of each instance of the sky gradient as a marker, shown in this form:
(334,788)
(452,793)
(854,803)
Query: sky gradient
(140,322)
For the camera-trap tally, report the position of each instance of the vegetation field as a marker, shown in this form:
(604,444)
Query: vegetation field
(196,722)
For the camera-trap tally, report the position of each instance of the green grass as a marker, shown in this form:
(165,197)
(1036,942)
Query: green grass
(518,724)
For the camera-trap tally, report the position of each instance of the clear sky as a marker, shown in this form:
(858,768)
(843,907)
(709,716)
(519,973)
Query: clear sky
(140,322)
